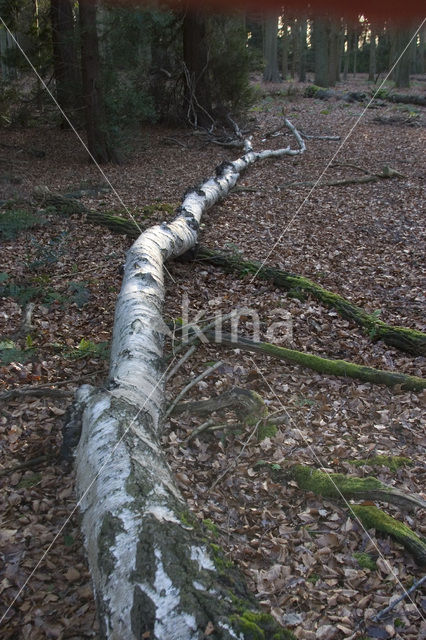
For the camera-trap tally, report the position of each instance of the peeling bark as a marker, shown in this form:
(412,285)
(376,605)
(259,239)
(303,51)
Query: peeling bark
(152,567)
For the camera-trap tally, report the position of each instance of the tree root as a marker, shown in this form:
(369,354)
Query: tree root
(248,405)
(408,340)
(323,365)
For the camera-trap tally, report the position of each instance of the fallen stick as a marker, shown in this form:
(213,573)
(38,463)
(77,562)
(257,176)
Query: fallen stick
(384,613)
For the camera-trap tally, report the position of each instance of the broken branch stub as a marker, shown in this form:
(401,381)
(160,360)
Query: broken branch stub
(154,572)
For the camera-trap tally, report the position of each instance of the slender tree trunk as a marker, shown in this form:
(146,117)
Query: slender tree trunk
(333,57)
(284,40)
(372,58)
(347,53)
(98,139)
(355,51)
(64,56)
(198,98)
(303,30)
(402,71)
(393,47)
(271,73)
(321,52)
(422,51)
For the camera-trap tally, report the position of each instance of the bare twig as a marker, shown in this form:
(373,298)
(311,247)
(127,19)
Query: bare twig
(178,365)
(383,614)
(314,137)
(33,462)
(189,386)
(235,462)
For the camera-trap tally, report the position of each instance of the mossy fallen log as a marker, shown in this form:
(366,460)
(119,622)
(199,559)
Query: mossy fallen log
(338,486)
(408,340)
(326,366)
(374,518)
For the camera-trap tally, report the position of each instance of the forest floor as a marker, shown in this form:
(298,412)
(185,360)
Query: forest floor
(364,241)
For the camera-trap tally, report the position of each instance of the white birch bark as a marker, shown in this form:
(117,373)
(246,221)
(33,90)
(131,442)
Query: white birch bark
(153,570)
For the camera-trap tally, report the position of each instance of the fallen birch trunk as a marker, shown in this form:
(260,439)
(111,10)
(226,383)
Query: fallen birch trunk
(154,572)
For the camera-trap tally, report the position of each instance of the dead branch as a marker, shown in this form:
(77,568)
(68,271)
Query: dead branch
(408,340)
(28,464)
(326,366)
(37,392)
(387,172)
(382,614)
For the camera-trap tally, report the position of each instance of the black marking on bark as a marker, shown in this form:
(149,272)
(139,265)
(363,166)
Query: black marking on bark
(223,168)
(71,431)
(147,279)
(110,527)
(143,614)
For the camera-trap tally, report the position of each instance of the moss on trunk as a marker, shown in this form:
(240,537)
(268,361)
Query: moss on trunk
(339,486)
(374,518)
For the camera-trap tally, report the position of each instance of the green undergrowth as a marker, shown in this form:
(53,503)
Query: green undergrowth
(11,352)
(14,221)
(89,349)
(365,560)
(266,430)
(259,626)
(37,289)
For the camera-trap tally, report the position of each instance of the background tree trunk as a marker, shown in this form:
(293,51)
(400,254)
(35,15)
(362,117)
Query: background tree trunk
(355,51)
(284,44)
(333,57)
(271,73)
(321,52)
(198,98)
(372,56)
(303,29)
(402,70)
(98,139)
(64,56)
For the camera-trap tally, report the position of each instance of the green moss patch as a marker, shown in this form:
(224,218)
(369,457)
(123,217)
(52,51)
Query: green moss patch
(259,626)
(392,462)
(266,430)
(365,561)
